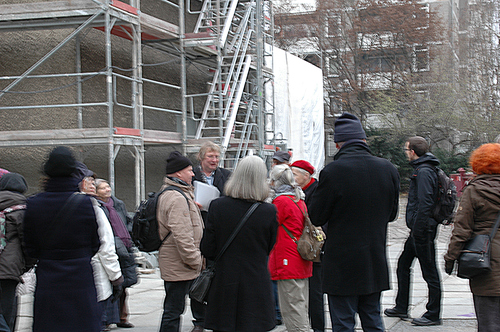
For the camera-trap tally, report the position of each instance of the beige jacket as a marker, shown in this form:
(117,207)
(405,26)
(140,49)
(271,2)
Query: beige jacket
(179,256)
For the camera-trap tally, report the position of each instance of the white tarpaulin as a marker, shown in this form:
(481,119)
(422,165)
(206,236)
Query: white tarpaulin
(298,107)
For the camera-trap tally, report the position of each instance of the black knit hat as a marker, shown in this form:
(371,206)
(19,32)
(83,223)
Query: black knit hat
(177,162)
(348,127)
(61,163)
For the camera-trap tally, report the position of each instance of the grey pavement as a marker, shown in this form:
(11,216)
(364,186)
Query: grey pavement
(146,298)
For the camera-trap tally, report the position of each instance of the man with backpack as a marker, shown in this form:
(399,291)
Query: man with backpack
(181,229)
(422,199)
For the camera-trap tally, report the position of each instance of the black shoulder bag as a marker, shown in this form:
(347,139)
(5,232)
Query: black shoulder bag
(201,285)
(475,257)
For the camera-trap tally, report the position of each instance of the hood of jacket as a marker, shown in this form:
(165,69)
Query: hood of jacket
(488,186)
(427,158)
(10,198)
(13,182)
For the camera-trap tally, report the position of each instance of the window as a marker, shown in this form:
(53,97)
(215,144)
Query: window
(331,67)
(334,25)
(421,58)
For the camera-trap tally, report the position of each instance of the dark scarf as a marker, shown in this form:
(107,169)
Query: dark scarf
(117,224)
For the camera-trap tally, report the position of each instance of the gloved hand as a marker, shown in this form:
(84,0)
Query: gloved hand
(448,266)
(117,289)
(117,292)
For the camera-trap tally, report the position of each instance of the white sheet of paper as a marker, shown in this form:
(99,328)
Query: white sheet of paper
(204,194)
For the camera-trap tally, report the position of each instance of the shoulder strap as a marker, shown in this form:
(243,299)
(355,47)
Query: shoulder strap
(306,218)
(294,239)
(14,208)
(435,168)
(237,229)
(68,208)
(495,228)
(179,190)
(303,212)
(3,240)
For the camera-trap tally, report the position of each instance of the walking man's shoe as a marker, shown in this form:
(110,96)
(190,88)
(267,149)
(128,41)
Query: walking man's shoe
(422,321)
(394,313)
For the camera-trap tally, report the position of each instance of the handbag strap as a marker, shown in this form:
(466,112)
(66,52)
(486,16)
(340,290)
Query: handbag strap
(67,210)
(307,220)
(495,228)
(237,229)
(294,239)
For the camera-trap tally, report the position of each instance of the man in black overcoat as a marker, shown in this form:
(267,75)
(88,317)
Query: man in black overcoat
(357,195)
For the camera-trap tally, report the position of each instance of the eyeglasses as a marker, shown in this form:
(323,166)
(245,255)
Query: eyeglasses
(407,149)
(211,156)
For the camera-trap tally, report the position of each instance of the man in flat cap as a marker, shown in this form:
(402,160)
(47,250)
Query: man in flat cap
(357,195)
(181,228)
(281,157)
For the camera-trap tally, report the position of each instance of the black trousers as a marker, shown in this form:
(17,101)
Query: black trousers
(425,251)
(8,301)
(487,313)
(343,311)
(316,300)
(174,305)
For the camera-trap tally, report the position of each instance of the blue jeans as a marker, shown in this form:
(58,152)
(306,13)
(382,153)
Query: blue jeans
(3,325)
(174,304)
(276,301)
(343,311)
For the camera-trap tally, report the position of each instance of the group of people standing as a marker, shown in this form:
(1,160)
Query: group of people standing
(77,231)
(74,231)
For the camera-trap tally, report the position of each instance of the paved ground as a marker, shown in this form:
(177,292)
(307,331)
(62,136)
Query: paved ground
(146,298)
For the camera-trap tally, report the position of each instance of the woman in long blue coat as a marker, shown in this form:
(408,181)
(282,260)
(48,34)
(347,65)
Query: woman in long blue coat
(63,243)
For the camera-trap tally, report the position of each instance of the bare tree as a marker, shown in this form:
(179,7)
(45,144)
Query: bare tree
(480,71)
(374,46)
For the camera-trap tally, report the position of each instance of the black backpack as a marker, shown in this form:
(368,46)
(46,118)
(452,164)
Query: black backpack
(145,225)
(445,208)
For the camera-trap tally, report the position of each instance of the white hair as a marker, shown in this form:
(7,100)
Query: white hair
(249,180)
(282,175)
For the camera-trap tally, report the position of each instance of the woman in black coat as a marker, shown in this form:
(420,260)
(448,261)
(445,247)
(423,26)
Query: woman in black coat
(241,296)
(63,243)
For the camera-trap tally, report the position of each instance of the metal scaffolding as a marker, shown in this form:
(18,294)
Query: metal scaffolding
(233,38)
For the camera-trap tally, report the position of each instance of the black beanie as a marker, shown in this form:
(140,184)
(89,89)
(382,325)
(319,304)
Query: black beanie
(348,127)
(177,162)
(61,163)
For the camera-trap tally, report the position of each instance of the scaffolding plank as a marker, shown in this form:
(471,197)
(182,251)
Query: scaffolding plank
(161,137)
(158,28)
(38,10)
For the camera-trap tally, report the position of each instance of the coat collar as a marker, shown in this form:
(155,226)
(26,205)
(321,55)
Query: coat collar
(353,148)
